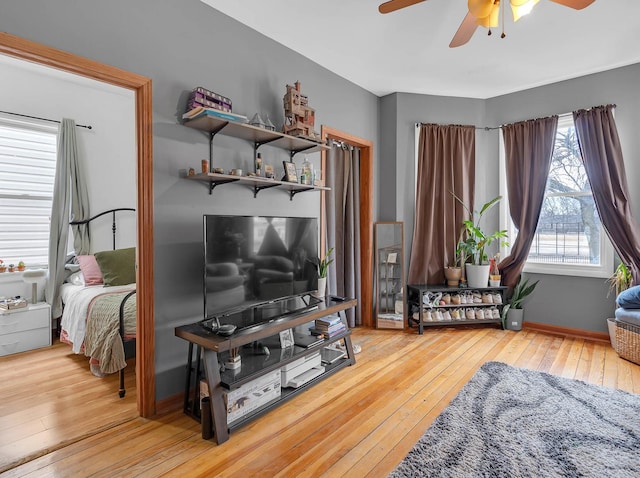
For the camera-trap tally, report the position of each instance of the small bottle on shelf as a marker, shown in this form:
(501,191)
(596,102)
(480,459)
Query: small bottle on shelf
(258,169)
(494,272)
(307,171)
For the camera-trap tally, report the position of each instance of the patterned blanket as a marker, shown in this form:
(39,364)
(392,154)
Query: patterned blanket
(102,341)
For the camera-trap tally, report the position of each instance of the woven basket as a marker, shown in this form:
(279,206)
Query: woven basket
(628,341)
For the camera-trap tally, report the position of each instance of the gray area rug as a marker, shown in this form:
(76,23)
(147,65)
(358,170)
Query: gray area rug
(512,422)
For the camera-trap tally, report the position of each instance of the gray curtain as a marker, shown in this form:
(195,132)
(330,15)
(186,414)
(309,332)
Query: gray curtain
(602,155)
(343,224)
(446,164)
(528,151)
(70,202)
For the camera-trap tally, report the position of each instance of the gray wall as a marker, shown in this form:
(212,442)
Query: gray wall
(578,302)
(185,44)
(180,45)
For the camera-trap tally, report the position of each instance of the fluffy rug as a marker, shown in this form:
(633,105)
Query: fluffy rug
(512,422)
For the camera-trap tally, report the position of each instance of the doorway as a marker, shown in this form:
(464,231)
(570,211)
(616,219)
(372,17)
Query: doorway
(27,50)
(366,214)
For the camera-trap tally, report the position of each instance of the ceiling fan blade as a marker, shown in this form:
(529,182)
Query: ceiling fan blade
(393,5)
(465,31)
(577,4)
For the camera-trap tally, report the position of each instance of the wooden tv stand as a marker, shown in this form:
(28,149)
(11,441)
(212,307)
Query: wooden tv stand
(216,350)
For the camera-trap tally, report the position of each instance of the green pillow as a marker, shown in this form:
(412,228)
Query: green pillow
(118,267)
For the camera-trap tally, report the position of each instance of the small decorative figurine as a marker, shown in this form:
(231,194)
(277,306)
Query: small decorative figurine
(299,119)
(257,121)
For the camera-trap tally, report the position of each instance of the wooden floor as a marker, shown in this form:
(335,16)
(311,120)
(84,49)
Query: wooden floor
(359,422)
(49,398)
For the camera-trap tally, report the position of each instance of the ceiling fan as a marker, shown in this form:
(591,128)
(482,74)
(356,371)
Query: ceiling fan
(483,13)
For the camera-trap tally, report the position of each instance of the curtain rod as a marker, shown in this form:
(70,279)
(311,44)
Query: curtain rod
(42,119)
(489,128)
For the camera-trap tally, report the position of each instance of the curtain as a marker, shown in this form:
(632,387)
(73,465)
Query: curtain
(528,150)
(343,224)
(602,155)
(446,165)
(70,202)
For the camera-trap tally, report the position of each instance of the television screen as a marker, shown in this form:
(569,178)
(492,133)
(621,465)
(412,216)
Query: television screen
(252,260)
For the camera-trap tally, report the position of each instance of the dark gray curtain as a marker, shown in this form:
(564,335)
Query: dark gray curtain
(70,202)
(446,164)
(602,155)
(343,224)
(528,150)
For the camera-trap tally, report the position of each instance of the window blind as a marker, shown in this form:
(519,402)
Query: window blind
(27,172)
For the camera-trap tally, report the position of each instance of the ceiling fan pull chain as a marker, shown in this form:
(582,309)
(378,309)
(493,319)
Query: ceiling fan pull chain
(502,7)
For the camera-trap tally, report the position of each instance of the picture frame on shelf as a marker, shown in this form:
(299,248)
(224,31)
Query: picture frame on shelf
(286,339)
(269,172)
(290,174)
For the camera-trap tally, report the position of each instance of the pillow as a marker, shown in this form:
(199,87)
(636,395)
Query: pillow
(629,298)
(90,270)
(118,267)
(76,279)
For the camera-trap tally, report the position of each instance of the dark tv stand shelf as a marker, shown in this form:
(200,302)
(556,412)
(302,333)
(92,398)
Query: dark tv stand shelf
(215,348)
(258,137)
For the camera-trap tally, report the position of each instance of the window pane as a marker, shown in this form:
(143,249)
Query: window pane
(568,229)
(27,171)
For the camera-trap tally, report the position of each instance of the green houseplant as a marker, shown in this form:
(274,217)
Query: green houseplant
(513,313)
(323,267)
(474,241)
(619,281)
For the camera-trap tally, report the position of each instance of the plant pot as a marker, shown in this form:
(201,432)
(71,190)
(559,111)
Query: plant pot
(453,275)
(477,276)
(322,287)
(611,326)
(514,319)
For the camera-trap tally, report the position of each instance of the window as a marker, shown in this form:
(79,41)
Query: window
(569,238)
(27,172)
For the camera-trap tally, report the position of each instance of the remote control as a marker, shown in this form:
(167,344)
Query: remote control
(337,298)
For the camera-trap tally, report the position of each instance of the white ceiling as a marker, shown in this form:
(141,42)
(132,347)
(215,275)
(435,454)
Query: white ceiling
(408,50)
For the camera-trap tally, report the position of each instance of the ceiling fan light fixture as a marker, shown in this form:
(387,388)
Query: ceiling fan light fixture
(520,8)
(486,12)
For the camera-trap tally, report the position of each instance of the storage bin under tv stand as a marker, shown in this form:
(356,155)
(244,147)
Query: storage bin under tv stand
(215,347)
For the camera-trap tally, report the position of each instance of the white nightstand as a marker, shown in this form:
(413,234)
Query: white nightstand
(25,329)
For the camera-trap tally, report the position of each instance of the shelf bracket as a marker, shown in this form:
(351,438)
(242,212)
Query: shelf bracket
(293,152)
(212,135)
(213,184)
(293,192)
(257,189)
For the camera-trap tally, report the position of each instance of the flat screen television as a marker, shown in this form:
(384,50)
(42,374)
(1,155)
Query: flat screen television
(258,268)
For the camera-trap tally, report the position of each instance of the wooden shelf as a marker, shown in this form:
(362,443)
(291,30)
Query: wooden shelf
(255,182)
(258,136)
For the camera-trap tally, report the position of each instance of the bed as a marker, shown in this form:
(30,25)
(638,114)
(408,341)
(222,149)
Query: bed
(99,306)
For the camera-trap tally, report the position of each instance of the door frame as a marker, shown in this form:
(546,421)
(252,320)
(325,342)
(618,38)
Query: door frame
(28,50)
(366,214)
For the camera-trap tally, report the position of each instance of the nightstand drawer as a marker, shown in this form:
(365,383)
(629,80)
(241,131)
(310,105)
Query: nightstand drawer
(34,316)
(25,340)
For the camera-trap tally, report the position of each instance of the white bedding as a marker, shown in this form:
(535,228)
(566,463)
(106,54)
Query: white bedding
(76,300)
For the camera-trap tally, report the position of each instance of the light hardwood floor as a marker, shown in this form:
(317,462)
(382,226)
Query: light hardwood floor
(49,398)
(359,422)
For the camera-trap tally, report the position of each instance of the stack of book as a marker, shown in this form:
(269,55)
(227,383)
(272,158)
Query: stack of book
(199,111)
(208,99)
(329,326)
(14,303)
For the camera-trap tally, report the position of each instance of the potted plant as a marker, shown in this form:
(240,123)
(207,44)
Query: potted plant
(619,281)
(21,266)
(3,268)
(474,242)
(323,268)
(513,313)
(12,268)
(453,273)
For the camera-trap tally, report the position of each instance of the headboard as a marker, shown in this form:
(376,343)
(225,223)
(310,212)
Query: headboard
(113,220)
